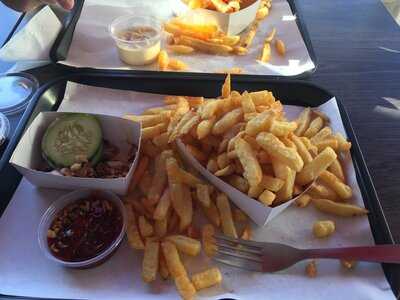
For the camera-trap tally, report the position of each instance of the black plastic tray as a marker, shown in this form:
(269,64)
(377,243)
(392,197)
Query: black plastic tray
(50,95)
(60,49)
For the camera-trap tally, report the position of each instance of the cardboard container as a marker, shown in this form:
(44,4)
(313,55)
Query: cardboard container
(27,157)
(231,24)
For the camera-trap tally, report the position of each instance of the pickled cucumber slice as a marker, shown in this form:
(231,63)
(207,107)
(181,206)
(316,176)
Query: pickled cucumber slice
(71,138)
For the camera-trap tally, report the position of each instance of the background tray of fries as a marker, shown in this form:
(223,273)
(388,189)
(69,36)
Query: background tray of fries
(120,278)
(85,43)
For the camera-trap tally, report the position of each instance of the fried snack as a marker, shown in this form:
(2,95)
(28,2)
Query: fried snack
(185,287)
(339,209)
(176,64)
(336,169)
(150,261)
(266,53)
(204,46)
(159,179)
(320,190)
(262,13)
(311,269)
(224,208)
(185,244)
(134,238)
(343,190)
(270,36)
(323,229)
(207,278)
(212,214)
(203,194)
(161,227)
(180,49)
(226,87)
(303,121)
(267,197)
(348,264)
(247,39)
(208,240)
(314,127)
(252,168)
(174,263)
(303,200)
(145,228)
(182,203)
(163,60)
(140,170)
(280,47)
(163,206)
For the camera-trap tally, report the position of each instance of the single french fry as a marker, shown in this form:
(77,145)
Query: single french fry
(153,131)
(247,38)
(301,149)
(203,194)
(150,261)
(329,142)
(140,170)
(260,123)
(212,214)
(163,60)
(281,128)
(178,32)
(185,287)
(339,209)
(336,169)
(247,103)
(303,200)
(227,121)
(276,148)
(185,244)
(344,145)
(228,170)
(266,53)
(267,197)
(163,206)
(273,184)
(204,128)
(159,179)
(146,229)
(255,191)
(184,125)
(311,269)
(226,87)
(134,238)
(280,47)
(343,190)
(313,169)
(262,98)
(209,109)
(270,36)
(161,227)
(208,241)
(247,158)
(148,120)
(239,183)
(177,65)
(161,141)
(310,147)
(286,192)
(303,121)
(207,278)
(180,49)
(174,263)
(204,46)
(323,229)
(320,190)
(222,160)
(229,40)
(314,127)
(228,227)
(324,133)
(262,12)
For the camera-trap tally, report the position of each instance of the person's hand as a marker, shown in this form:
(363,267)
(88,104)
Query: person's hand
(27,5)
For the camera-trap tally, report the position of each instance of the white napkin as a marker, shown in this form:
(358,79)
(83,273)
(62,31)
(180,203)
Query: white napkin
(34,41)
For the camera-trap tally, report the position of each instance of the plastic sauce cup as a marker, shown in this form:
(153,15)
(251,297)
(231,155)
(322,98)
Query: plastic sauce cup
(136,49)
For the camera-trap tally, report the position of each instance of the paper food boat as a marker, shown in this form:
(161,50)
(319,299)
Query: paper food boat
(231,24)
(27,157)
(258,212)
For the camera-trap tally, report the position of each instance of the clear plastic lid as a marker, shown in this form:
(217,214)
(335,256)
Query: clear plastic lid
(4,128)
(15,93)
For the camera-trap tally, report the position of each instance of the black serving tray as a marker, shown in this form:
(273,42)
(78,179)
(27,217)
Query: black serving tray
(50,95)
(60,49)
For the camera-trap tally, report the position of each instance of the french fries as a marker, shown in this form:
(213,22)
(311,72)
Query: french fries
(280,47)
(228,227)
(323,229)
(185,244)
(207,278)
(150,261)
(339,209)
(252,169)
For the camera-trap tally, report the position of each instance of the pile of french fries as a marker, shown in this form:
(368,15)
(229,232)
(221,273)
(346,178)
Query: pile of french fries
(223,6)
(246,140)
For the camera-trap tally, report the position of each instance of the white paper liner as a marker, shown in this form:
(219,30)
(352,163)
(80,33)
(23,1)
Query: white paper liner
(23,265)
(92,45)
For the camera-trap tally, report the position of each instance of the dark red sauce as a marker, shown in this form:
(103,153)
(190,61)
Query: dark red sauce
(84,229)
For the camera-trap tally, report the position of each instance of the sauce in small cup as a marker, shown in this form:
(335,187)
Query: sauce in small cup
(83,228)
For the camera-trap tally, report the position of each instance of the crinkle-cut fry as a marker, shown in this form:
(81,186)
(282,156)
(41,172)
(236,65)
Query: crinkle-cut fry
(314,127)
(337,169)
(212,214)
(161,227)
(203,194)
(148,120)
(303,200)
(273,184)
(247,232)
(150,261)
(161,141)
(247,103)
(227,121)
(265,53)
(163,60)
(163,206)
(174,263)
(260,123)
(301,149)
(344,145)
(324,133)
(280,47)
(247,158)
(313,169)
(282,128)
(239,216)
(207,278)
(311,269)
(185,287)
(228,170)
(339,209)
(196,153)
(185,244)
(340,188)
(145,228)
(224,208)
(153,131)
(140,170)
(262,12)
(208,241)
(276,148)
(247,38)
(226,87)
(204,46)
(303,121)
(320,190)
(177,65)
(132,231)
(267,197)
(180,49)
(270,36)
(323,229)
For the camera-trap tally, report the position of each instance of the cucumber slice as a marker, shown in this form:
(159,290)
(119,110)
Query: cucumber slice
(71,137)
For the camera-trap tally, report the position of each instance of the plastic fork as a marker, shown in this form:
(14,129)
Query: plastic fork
(272,257)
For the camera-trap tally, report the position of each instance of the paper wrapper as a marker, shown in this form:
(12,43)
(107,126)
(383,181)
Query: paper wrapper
(93,47)
(27,157)
(23,265)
